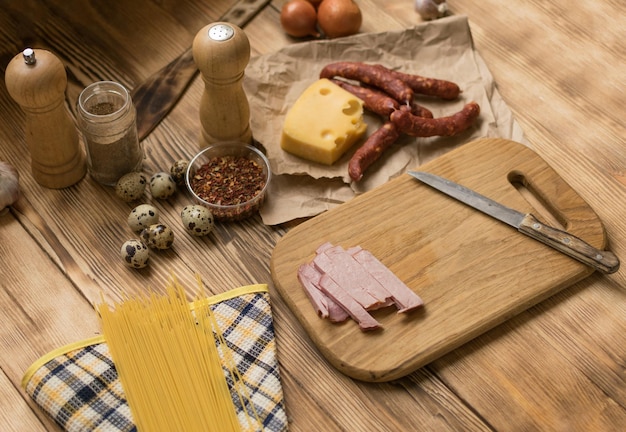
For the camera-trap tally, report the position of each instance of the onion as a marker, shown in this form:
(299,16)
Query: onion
(299,19)
(339,18)
(431,9)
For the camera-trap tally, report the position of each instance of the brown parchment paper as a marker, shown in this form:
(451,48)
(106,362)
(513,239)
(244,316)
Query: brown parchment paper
(439,49)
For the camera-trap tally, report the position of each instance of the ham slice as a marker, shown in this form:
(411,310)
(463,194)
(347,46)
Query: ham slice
(348,283)
(345,272)
(403,297)
(325,307)
(309,279)
(335,312)
(352,307)
(323,247)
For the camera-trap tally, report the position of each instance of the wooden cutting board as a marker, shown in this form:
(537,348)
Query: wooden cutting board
(472,271)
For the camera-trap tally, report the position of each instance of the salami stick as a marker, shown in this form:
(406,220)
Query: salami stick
(373,100)
(372,75)
(371,150)
(426,86)
(420,111)
(379,102)
(413,125)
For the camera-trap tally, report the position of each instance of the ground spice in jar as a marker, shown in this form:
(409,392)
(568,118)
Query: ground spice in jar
(107,120)
(102,108)
(228,180)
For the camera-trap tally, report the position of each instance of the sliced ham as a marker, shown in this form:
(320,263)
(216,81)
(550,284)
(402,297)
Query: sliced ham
(344,283)
(336,313)
(324,247)
(325,307)
(344,277)
(348,273)
(355,271)
(309,278)
(403,296)
(352,307)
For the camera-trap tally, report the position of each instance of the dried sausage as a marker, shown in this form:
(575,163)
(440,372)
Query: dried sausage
(372,75)
(413,125)
(390,94)
(371,149)
(426,86)
(373,100)
(420,111)
(379,102)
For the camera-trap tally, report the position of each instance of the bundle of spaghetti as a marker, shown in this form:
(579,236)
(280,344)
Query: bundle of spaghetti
(168,363)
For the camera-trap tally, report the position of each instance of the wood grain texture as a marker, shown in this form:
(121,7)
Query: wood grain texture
(556,366)
(155,97)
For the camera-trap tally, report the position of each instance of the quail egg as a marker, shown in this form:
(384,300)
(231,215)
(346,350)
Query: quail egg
(158,236)
(162,185)
(197,220)
(135,253)
(142,217)
(131,186)
(178,171)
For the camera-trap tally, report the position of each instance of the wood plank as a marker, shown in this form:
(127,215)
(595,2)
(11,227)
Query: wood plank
(343,403)
(15,411)
(553,368)
(560,362)
(543,378)
(579,150)
(39,315)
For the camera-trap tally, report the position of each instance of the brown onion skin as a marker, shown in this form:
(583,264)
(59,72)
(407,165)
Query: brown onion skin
(338,18)
(315,3)
(299,18)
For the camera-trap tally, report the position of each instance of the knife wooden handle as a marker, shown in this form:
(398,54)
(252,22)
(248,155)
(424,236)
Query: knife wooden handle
(158,94)
(604,261)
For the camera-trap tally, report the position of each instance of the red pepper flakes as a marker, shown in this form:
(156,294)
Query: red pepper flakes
(228,180)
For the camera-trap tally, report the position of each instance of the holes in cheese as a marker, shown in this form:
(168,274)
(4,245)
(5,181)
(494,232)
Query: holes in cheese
(323,123)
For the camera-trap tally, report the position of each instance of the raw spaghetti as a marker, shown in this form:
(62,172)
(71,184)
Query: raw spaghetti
(169,365)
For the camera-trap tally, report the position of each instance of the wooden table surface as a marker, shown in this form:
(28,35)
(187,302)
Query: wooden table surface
(561,365)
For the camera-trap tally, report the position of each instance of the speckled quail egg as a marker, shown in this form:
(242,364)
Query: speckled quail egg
(158,236)
(142,217)
(197,220)
(178,171)
(135,253)
(162,185)
(131,186)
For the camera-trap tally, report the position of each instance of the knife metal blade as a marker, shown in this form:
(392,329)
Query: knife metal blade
(526,223)
(156,96)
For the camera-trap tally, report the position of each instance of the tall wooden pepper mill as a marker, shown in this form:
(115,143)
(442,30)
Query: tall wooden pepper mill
(37,81)
(221,52)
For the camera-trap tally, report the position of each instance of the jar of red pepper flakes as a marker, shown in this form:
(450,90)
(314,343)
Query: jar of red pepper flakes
(230,179)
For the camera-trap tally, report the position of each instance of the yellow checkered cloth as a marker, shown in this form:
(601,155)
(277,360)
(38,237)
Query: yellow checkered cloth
(79,388)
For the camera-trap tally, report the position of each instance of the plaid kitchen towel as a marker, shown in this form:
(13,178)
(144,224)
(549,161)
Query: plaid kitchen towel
(78,385)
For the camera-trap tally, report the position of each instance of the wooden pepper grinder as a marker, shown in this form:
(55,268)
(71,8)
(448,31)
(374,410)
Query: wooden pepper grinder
(37,81)
(221,52)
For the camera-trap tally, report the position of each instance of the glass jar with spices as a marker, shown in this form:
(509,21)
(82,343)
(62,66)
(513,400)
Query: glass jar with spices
(107,120)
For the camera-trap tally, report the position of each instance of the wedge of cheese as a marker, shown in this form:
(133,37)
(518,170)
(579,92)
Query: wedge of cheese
(323,123)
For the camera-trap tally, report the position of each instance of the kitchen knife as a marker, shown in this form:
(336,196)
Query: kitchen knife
(562,241)
(155,97)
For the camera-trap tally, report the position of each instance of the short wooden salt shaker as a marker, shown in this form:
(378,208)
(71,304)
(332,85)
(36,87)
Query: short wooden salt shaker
(221,52)
(37,81)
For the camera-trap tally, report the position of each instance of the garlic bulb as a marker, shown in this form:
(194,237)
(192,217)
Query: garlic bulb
(9,186)
(431,9)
